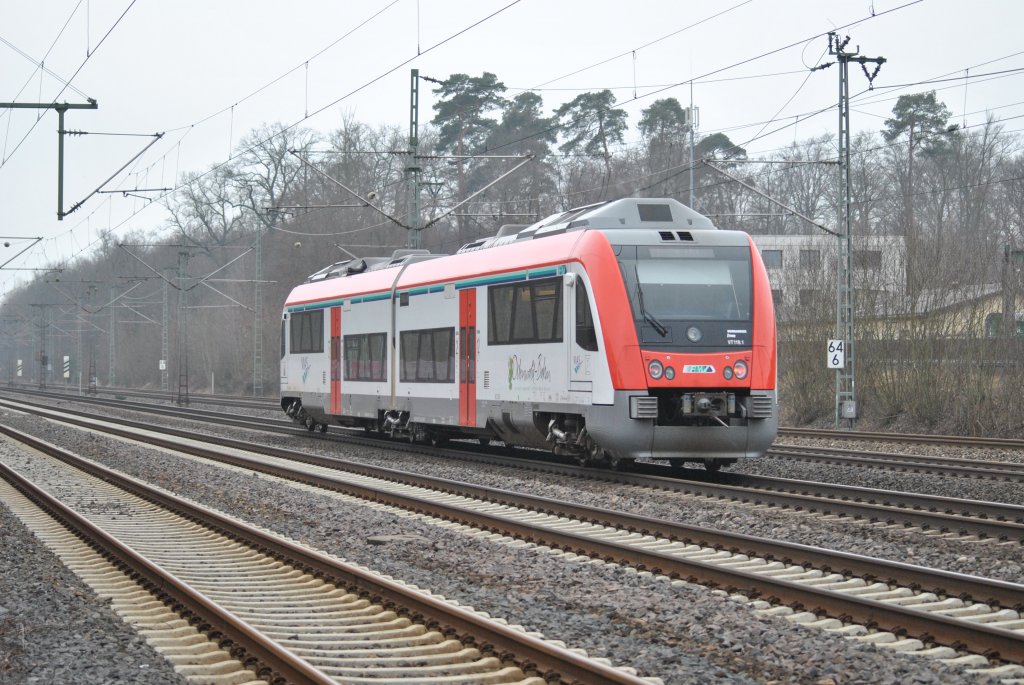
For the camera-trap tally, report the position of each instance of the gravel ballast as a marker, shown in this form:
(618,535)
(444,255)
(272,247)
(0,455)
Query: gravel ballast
(682,634)
(55,629)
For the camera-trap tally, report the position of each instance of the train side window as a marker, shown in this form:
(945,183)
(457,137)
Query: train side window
(307,332)
(500,314)
(586,332)
(284,331)
(428,356)
(525,312)
(365,357)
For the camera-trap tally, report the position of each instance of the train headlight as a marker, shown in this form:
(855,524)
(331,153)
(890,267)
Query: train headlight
(741,369)
(727,372)
(655,369)
(670,373)
(694,334)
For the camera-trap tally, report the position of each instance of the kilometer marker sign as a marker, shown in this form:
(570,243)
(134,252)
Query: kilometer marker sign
(836,357)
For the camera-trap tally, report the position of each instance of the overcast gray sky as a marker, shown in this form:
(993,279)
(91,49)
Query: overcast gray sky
(206,72)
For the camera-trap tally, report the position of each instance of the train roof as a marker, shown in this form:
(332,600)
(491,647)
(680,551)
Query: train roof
(358,265)
(382,277)
(619,221)
(671,218)
(661,214)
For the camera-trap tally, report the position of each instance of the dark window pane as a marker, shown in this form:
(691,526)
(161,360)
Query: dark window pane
(335,359)
(500,314)
(463,356)
(443,354)
(427,355)
(772,259)
(425,358)
(364,358)
(810,259)
(867,259)
(378,357)
(522,315)
(654,212)
(809,297)
(409,342)
(525,313)
(586,333)
(546,300)
(351,357)
(307,332)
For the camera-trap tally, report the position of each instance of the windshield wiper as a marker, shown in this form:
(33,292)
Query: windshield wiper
(648,317)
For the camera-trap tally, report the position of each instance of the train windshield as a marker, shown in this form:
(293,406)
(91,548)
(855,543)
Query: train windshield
(711,283)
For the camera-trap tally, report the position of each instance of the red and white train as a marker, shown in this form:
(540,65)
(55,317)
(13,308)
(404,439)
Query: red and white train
(627,329)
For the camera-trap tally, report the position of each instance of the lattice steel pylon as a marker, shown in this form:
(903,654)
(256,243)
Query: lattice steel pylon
(43,360)
(846,380)
(112,340)
(182,328)
(92,389)
(164,346)
(257,320)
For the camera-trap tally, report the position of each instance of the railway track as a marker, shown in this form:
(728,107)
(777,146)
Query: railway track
(288,613)
(1007,471)
(272,404)
(933,515)
(158,395)
(909,463)
(913,438)
(831,590)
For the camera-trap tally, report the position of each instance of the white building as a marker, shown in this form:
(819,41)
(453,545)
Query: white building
(802,270)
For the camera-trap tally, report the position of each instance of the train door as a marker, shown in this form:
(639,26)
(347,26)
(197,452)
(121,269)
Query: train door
(335,360)
(467,357)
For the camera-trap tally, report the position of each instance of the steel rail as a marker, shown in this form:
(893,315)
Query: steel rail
(554,663)
(1004,594)
(199,398)
(967,441)
(275,662)
(995,642)
(930,465)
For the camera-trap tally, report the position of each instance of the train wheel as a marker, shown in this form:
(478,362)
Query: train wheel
(484,441)
(310,424)
(322,427)
(677,463)
(592,455)
(614,463)
(712,465)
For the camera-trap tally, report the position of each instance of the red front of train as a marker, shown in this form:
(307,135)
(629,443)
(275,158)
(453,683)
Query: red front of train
(688,326)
